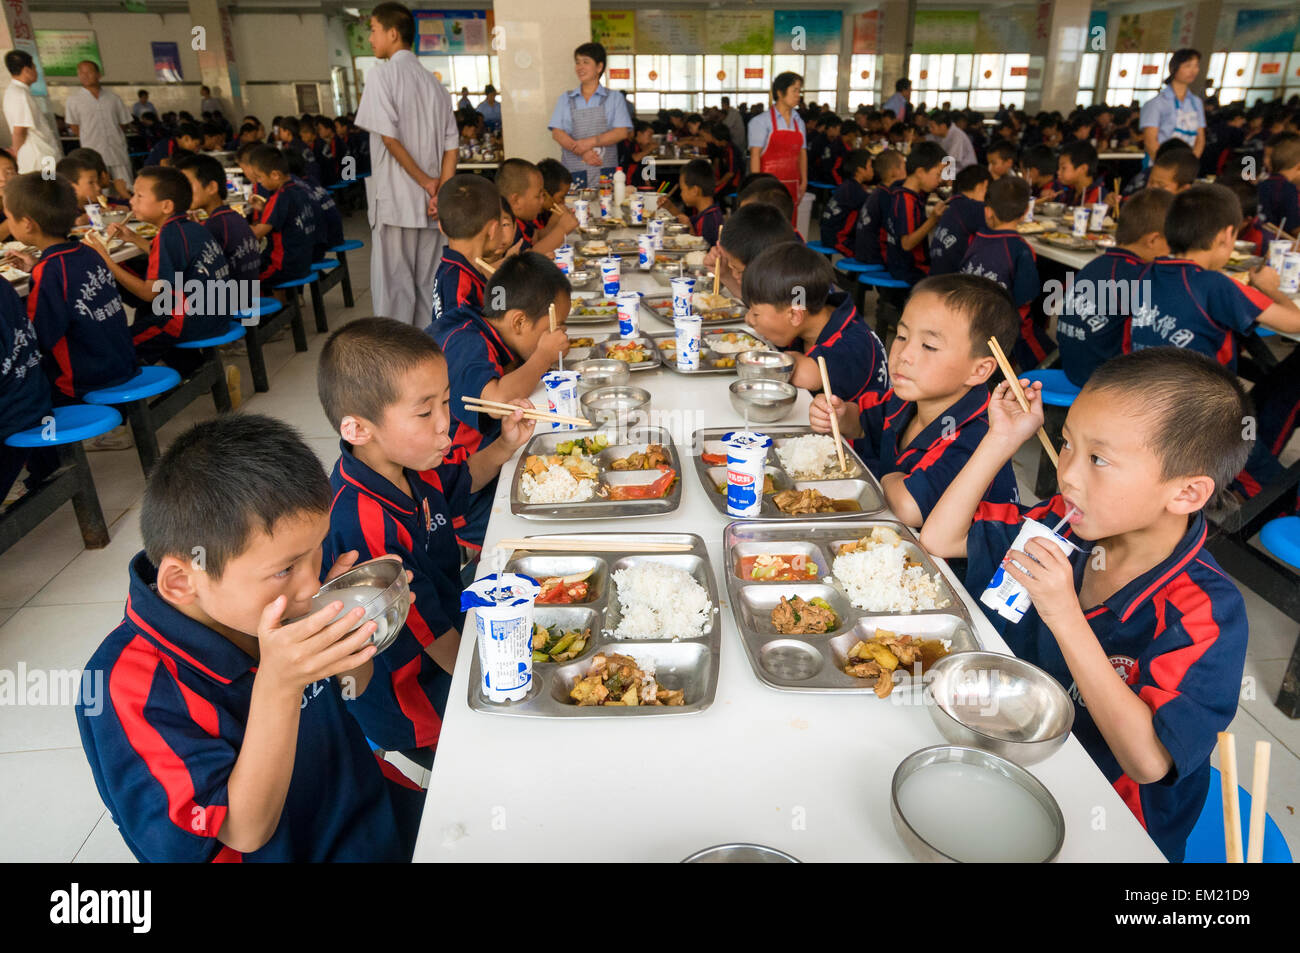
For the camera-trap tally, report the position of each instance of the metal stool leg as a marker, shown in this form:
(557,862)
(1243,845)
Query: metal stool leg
(142,428)
(1045,481)
(318,306)
(1288,696)
(220,392)
(85,501)
(348,300)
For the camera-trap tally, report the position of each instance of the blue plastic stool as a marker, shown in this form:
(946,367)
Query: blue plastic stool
(828,186)
(325,265)
(72,481)
(1264,332)
(340,251)
(1205,842)
(1057,389)
(881,279)
(133,397)
(824,249)
(352,244)
(254,320)
(312,281)
(234,334)
(852,266)
(264,308)
(1281,537)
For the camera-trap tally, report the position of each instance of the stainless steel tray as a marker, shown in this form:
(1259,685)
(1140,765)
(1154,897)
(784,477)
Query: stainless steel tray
(607,309)
(660,306)
(858,484)
(811,663)
(708,356)
(577,354)
(621,444)
(601,349)
(616,246)
(689,664)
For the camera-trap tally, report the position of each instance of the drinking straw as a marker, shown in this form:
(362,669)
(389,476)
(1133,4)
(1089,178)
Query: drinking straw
(550,311)
(1064,519)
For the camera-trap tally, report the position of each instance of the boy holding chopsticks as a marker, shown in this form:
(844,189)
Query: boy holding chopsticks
(1151,439)
(520,184)
(469,214)
(384,387)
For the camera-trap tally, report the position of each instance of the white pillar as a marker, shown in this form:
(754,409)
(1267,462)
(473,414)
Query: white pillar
(217,56)
(1055,60)
(898,23)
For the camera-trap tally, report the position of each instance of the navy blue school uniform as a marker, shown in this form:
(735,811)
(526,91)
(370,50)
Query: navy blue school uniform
(952,236)
(1096,192)
(183,248)
(1176,635)
(24,390)
(1278,200)
(238,243)
(855,358)
(935,455)
(869,236)
(292,240)
(328,157)
(329,220)
(727,166)
(165,727)
(526,232)
(816,142)
(1003,255)
(1090,329)
(457,284)
(834,152)
(403,706)
(79,319)
(707,223)
(1194,308)
(905,215)
(840,217)
(310,164)
(163,149)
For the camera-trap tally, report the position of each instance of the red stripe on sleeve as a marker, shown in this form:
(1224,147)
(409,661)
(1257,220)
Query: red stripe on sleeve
(371,517)
(1197,618)
(1129,791)
(391,772)
(1008,513)
(415,704)
(201,710)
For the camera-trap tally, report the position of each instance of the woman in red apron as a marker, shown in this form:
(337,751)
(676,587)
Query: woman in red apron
(784,154)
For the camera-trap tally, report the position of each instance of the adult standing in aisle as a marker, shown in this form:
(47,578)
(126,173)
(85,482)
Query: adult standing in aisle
(97,117)
(589,122)
(413,145)
(901,102)
(1175,112)
(735,124)
(778,140)
(35,137)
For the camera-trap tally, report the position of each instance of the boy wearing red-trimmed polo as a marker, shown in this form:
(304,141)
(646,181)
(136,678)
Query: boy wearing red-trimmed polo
(469,214)
(287,221)
(840,217)
(869,237)
(216,729)
(907,226)
(961,220)
(1149,441)
(383,385)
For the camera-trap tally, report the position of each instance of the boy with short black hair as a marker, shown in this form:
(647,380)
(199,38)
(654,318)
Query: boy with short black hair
(329,152)
(1174,171)
(1149,442)
(703,214)
(287,220)
(840,217)
(383,385)
(229,228)
(869,239)
(1279,200)
(1038,165)
(292,141)
(469,214)
(1091,328)
(521,184)
(632,153)
(1001,157)
(754,227)
(222,730)
(83,176)
(963,217)
(907,226)
(556,182)
(1249,230)
(329,220)
(936,412)
(188,138)
(766,190)
(727,164)
(790,292)
(1077,172)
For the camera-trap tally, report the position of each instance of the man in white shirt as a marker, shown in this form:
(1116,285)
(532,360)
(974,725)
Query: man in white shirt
(97,117)
(413,146)
(35,137)
(955,142)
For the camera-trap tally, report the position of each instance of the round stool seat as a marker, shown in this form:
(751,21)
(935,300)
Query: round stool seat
(352,244)
(822,248)
(72,424)
(264,308)
(853,267)
(234,334)
(1205,842)
(299,282)
(149,381)
(1281,537)
(828,186)
(1264,332)
(881,279)
(1057,389)
(328,264)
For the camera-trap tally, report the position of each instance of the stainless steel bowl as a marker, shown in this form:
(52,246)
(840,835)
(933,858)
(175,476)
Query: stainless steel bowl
(915,840)
(762,364)
(1050,209)
(590,231)
(579,280)
(601,372)
(1244,248)
(999,703)
(740,854)
(764,401)
(388,606)
(115,215)
(619,406)
(675,228)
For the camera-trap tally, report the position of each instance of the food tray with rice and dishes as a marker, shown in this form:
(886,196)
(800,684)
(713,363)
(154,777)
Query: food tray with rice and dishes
(1240,262)
(584,474)
(684,243)
(712,309)
(591,308)
(639,353)
(802,476)
(580,346)
(619,633)
(718,350)
(599,248)
(850,607)
(670,265)
(1067,241)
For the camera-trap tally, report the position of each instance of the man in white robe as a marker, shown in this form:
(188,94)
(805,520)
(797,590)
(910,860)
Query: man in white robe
(35,137)
(413,149)
(97,117)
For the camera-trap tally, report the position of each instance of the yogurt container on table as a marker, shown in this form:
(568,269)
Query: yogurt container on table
(689,332)
(655,229)
(1098,218)
(1029,212)
(96,216)
(564,258)
(606,204)
(1277,249)
(1290,273)
(629,310)
(503,606)
(682,290)
(1004,594)
(610,271)
(581,211)
(562,396)
(645,246)
(1081,216)
(746,467)
(636,209)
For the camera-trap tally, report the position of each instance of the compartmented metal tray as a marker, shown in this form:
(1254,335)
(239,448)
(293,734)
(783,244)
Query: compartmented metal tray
(601,349)
(603,310)
(857,484)
(660,306)
(585,352)
(812,663)
(666,343)
(633,440)
(690,665)
(616,246)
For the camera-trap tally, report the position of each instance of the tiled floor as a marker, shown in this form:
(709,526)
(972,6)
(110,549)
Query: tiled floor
(58,600)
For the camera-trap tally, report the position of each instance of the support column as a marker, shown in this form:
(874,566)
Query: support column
(898,23)
(217,67)
(1055,56)
(534,44)
(1201,36)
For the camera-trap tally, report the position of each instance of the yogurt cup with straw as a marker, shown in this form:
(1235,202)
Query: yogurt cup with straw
(1098,219)
(655,229)
(561,396)
(746,469)
(96,216)
(636,210)
(1081,216)
(1005,595)
(503,623)
(682,289)
(1277,249)
(1029,212)
(689,331)
(581,211)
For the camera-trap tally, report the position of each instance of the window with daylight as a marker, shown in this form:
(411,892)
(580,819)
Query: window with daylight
(981,81)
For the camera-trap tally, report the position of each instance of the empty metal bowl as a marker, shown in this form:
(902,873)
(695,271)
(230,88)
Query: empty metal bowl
(740,854)
(1050,209)
(616,406)
(601,372)
(1244,248)
(999,703)
(580,279)
(762,364)
(115,215)
(380,587)
(762,401)
(977,815)
(590,231)
(675,228)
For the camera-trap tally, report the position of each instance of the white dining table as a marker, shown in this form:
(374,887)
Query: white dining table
(805,773)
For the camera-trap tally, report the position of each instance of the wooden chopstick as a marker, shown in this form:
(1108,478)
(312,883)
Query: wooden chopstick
(1014,383)
(544,544)
(1258,803)
(835,422)
(476,404)
(485,266)
(550,310)
(1231,804)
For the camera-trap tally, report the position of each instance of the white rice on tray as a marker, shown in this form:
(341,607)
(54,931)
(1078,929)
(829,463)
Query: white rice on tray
(660,602)
(556,485)
(809,456)
(875,579)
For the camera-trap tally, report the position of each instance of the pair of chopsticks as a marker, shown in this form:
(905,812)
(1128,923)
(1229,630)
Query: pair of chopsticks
(484,266)
(547,544)
(1232,804)
(1014,382)
(479,405)
(835,421)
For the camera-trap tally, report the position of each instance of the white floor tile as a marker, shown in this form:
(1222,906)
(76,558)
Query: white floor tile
(42,554)
(104,845)
(48,805)
(1272,633)
(1264,679)
(98,575)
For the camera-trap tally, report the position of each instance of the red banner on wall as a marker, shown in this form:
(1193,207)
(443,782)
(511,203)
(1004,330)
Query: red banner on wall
(753,72)
(1267,68)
